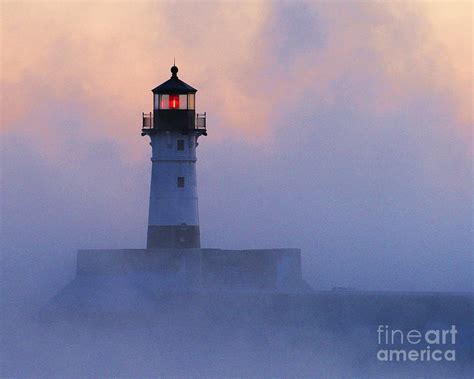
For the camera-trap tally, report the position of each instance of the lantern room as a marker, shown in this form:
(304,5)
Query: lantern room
(174,103)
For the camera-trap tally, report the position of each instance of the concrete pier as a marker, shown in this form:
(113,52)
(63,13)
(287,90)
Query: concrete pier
(201,269)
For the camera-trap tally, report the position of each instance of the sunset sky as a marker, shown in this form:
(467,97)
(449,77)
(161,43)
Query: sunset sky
(341,128)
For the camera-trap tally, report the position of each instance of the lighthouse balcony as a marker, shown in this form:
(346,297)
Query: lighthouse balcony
(151,125)
(200,121)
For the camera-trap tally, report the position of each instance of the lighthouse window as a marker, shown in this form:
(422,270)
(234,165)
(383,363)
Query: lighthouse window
(180,181)
(174,101)
(183,101)
(191,101)
(180,144)
(164,101)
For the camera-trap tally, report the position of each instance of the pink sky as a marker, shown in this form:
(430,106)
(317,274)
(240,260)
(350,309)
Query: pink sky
(106,57)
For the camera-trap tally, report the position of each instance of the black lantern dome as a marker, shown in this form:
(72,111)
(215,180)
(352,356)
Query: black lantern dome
(174,85)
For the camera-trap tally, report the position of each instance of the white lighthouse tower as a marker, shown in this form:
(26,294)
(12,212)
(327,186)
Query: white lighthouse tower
(174,260)
(174,129)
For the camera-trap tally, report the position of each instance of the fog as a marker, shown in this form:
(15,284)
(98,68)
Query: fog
(356,228)
(342,135)
(120,331)
(367,208)
(344,130)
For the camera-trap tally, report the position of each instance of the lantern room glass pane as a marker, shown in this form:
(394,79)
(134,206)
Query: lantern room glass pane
(164,101)
(174,101)
(183,101)
(191,101)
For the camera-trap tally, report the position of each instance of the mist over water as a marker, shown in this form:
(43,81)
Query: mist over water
(186,335)
(217,335)
(115,326)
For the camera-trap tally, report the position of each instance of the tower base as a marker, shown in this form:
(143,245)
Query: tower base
(173,237)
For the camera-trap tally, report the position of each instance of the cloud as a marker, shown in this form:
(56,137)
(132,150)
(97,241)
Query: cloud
(105,58)
(378,57)
(253,61)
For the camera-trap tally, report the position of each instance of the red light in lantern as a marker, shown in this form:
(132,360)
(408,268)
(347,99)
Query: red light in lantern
(174,101)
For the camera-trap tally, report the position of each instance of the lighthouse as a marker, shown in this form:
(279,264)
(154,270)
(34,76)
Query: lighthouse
(174,260)
(174,128)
